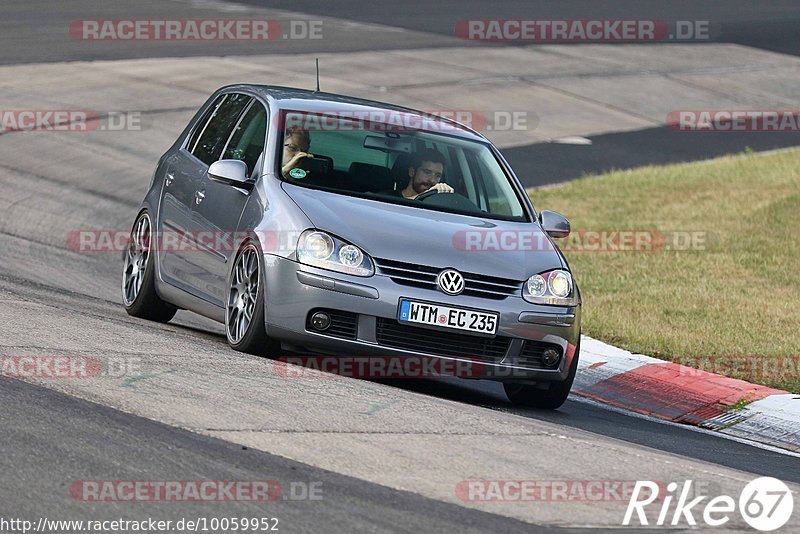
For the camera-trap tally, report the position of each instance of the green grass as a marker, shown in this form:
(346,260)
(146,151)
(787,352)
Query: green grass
(739,405)
(733,307)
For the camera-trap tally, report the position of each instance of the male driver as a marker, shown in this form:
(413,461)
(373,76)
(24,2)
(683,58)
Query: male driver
(424,174)
(295,148)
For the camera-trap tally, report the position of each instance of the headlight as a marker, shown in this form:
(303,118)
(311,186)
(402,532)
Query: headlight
(536,286)
(553,287)
(560,284)
(318,246)
(327,252)
(351,256)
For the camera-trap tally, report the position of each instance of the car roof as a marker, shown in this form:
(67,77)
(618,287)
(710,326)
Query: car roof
(296,99)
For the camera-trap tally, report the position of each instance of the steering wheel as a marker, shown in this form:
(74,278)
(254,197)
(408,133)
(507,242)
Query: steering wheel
(429,193)
(447,200)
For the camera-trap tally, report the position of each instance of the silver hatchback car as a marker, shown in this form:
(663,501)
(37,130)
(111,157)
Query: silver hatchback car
(317,222)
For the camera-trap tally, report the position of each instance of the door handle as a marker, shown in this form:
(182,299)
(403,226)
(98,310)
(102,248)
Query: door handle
(169,178)
(199,196)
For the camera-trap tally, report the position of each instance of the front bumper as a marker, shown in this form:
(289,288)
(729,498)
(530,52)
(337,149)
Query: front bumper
(293,290)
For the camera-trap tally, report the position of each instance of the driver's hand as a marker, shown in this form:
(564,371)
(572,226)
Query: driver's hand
(438,188)
(442,188)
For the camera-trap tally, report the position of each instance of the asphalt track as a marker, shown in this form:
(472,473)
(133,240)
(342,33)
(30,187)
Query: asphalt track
(37,31)
(94,441)
(772,25)
(388,454)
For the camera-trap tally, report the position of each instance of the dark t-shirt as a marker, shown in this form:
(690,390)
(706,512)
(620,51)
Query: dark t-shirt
(392,193)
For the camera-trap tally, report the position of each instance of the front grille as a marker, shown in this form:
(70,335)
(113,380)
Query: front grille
(531,354)
(343,324)
(391,333)
(477,285)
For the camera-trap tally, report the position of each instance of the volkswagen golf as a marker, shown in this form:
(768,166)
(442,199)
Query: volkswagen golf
(311,221)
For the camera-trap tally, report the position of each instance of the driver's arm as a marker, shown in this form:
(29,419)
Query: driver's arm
(294,162)
(441,187)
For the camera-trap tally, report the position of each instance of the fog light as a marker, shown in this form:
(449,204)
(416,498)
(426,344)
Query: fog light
(320,321)
(550,357)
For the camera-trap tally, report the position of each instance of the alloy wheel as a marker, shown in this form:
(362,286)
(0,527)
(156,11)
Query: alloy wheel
(243,294)
(136,257)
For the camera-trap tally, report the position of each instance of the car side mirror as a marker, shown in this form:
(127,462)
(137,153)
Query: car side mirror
(555,224)
(230,172)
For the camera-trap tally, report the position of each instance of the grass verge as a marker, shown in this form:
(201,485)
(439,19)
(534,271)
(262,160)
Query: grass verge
(718,287)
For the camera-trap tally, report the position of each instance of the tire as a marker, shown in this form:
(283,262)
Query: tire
(551,398)
(138,276)
(244,305)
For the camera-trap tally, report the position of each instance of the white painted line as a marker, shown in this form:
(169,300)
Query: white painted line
(571,140)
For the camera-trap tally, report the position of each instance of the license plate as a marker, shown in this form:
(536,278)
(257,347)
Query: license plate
(438,315)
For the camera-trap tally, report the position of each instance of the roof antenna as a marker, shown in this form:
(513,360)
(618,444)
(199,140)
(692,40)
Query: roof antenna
(317,59)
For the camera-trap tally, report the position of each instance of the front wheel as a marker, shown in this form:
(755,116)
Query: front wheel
(551,398)
(138,276)
(244,306)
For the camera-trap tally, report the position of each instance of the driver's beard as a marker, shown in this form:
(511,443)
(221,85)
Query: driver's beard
(421,187)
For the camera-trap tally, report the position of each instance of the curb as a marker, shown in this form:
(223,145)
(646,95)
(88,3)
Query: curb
(681,394)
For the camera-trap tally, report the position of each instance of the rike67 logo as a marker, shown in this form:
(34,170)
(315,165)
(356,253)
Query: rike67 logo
(765,504)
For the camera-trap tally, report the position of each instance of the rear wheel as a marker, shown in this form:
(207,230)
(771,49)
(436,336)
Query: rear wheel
(138,276)
(244,307)
(550,398)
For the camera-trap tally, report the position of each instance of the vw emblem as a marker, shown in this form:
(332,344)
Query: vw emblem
(450,281)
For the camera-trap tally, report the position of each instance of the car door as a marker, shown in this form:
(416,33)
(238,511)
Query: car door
(205,146)
(174,214)
(179,184)
(215,219)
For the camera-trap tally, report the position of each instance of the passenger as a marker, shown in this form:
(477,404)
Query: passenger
(296,143)
(424,174)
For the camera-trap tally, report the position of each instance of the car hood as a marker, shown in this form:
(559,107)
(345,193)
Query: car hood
(427,237)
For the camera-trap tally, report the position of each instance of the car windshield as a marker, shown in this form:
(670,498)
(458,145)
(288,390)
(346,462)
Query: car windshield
(393,160)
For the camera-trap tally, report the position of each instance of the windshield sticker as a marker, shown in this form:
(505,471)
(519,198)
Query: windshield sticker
(297,173)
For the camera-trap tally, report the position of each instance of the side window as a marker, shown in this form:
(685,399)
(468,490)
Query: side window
(208,147)
(203,122)
(247,142)
(497,195)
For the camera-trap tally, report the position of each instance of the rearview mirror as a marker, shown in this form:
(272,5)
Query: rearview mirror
(230,172)
(555,224)
(388,143)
